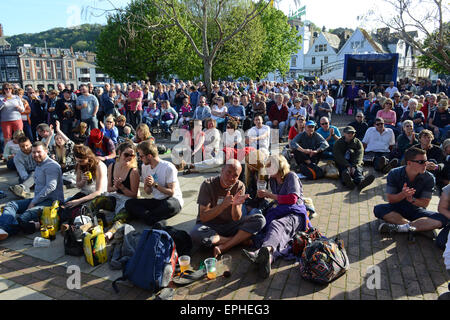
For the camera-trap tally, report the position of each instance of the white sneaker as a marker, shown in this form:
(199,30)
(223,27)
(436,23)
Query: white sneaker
(3,234)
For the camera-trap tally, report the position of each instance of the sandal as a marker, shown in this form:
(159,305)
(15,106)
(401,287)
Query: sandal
(189,277)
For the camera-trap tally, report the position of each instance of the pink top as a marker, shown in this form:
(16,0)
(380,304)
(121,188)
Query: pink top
(135,95)
(389,117)
(187,108)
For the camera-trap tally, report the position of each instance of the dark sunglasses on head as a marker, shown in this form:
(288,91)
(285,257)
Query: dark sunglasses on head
(419,161)
(126,154)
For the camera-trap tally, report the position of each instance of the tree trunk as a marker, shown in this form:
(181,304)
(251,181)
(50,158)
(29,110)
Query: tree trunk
(207,74)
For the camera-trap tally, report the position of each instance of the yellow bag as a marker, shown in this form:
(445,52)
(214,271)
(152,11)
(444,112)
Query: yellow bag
(94,246)
(50,215)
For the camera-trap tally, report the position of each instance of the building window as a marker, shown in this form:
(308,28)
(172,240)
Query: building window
(49,75)
(3,75)
(294,61)
(59,75)
(27,63)
(313,60)
(324,47)
(38,63)
(39,75)
(70,75)
(320,47)
(48,64)
(28,75)
(316,48)
(84,71)
(69,64)
(325,60)
(58,64)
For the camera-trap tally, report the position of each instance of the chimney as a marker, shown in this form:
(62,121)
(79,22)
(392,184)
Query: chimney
(1,30)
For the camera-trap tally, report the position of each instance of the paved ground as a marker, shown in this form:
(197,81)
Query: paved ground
(407,270)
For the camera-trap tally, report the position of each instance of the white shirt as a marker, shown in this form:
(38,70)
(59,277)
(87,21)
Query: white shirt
(377,142)
(232,138)
(293,111)
(255,132)
(391,91)
(164,173)
(330,101)
(217,109)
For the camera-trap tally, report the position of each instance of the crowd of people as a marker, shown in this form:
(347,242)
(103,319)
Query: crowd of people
(102,142)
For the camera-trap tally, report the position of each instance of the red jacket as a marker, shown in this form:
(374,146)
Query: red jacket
(280,115)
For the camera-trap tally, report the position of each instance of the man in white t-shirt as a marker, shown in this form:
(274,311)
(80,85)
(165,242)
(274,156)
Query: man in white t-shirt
(391,89)
(259,135)
(161,181)
(378,143)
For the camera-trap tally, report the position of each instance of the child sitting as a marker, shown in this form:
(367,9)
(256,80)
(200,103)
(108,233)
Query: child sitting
(11,148)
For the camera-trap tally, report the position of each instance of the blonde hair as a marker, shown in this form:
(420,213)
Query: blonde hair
(280,163)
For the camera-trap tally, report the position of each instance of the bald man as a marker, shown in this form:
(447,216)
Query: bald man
(220,224)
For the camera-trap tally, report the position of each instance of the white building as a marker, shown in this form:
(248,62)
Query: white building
(89,73)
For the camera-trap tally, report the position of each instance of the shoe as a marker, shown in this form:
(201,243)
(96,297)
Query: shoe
(3,234)
(264,261)
(392,164)
(381,163)
(252,256)
(387,228)
(348,181)
(365,182)
(19,191)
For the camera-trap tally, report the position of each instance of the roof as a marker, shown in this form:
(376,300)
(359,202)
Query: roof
(84,64)
(376,46)
(333,40)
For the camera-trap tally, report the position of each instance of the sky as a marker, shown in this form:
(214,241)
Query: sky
(36,16)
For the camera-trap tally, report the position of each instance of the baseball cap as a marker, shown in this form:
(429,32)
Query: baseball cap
(349,129)
(310,123)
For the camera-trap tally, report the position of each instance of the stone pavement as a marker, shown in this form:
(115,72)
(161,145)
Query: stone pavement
(407,270)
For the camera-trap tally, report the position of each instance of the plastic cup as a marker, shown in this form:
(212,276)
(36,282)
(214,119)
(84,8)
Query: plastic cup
(225,263)
(210,265)
(185,263)
(41,242)
(261,185)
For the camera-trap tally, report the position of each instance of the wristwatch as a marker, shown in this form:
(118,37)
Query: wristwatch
(155,186)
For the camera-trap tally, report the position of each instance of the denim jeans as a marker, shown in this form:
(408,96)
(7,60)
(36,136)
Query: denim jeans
(91,123)
(281,126)
(165,125)
(19,209)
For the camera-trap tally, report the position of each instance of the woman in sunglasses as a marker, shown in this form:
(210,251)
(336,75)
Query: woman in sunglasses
(91,181)
(11,107)
(123,184)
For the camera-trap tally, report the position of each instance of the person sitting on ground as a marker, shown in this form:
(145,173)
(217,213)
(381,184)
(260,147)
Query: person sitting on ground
(12,148)
(143,134)
(322,109)
(236,111)
(202,111)
(259,135)
(186,113)
(331,134)
(91,180)
(169,116)
(388,115)
(219,112)
(309,145)
(405,140)
(109,129)
(434,153)
(297,128)
(409,190)
(121,125)
(123,185)
(151,114)
(62,152)
(46,135)
(79,133)
(160,181)
(278,115)
(439,120)
(220,223)
(415,115)
(295,111)
(282,221)
(378,143)
(25,166)
(24,214)
(360,125)
(348,154)
(443,176)
(102,146)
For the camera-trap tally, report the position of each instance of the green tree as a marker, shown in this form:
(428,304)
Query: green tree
(280,42)
(425,61)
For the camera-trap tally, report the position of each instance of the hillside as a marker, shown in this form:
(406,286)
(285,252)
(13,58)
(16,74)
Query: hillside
(81,38)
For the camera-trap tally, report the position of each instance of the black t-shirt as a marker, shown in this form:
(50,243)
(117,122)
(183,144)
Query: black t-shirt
(423,183)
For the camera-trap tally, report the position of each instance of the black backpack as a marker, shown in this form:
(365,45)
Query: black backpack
(73,241)
(312,171)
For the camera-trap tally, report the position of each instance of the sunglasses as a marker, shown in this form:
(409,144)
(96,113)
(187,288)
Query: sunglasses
(358,116)
(419,161)
(8,88)
(379,124)
(325,123)
(127,155)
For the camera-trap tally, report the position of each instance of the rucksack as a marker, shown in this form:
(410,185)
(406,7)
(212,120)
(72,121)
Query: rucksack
(312,171)
(73,241)
(323,260)
(153,264)
(182,239)
(303,238)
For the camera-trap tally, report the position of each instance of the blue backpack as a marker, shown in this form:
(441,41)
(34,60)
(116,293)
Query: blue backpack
(153,264)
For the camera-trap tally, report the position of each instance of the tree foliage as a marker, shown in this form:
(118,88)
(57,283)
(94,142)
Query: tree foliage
(425,61)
